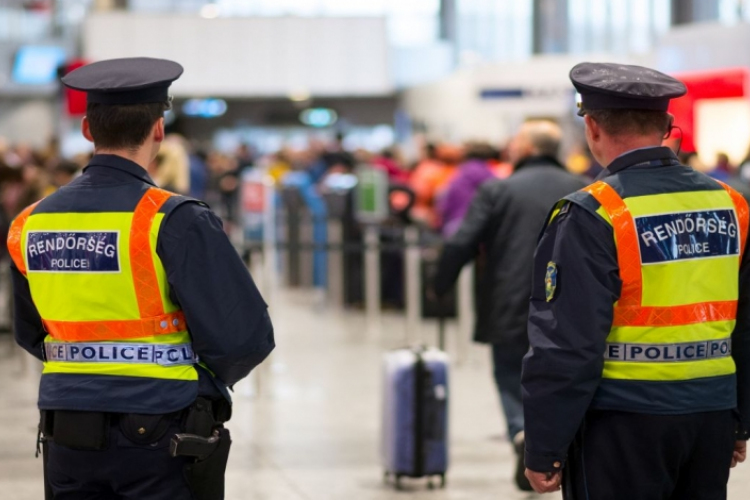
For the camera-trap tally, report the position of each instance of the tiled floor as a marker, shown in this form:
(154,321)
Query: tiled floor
(312,432)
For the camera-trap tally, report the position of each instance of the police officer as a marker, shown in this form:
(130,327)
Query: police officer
(137,304)
(637,383)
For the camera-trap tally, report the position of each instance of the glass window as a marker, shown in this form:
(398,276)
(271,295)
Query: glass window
(730,11)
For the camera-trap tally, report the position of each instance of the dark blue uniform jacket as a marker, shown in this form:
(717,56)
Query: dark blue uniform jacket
(226,316)
(562,371)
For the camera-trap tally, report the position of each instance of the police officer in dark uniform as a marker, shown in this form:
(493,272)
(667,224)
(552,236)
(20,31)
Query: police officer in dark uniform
(637,383)
(138,305)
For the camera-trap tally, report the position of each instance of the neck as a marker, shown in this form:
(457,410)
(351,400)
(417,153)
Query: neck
(623,146)
(140,156)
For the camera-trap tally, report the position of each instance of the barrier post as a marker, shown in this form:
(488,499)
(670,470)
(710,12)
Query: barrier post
(372,278)
(335,262)
(413,285)
(465,300)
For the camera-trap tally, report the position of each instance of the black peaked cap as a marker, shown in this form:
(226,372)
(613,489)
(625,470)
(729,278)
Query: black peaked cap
(134,80)
(622,86)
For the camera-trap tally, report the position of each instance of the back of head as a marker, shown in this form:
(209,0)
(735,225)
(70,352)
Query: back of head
(544,137)
(126,98)
(627,123)
(122,126)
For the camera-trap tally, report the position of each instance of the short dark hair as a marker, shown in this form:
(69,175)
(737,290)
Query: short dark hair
(122,126)
(631,121)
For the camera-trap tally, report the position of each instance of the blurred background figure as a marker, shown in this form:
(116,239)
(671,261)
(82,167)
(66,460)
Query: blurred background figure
(474,171)
(503,222)
(723,170)
(434,171)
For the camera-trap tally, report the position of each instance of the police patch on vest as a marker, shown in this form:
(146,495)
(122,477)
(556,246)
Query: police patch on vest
(73,252)
(664,353)
(687,235)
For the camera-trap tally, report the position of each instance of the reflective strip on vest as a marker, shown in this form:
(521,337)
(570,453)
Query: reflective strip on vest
(662,353)
(15,235)
(683,341)
(81,331)
(84,352)
(743,215)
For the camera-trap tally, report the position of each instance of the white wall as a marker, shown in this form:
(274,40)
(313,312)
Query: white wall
(704,46)
(453,108)
(31,121)
(252,57)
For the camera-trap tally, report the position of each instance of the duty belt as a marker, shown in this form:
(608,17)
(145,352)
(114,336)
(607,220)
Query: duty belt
(100,352)
(666,353)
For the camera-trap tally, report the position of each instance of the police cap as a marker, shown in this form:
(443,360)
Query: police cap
(622,86)
(135,80)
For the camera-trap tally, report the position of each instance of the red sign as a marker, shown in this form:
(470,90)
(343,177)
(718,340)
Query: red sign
(75,99)
(253,196)
(713,84)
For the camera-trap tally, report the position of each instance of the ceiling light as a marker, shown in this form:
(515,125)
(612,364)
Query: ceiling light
(210,11)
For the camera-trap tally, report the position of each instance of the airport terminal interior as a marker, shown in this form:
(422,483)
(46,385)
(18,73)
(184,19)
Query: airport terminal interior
(341,142)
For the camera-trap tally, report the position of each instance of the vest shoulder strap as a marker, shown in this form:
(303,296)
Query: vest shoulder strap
(626,236)
(15,235)
(145,280)
(743,215)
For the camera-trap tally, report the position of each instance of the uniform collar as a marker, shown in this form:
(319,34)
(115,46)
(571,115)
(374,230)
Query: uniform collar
(121,164)
(638,157)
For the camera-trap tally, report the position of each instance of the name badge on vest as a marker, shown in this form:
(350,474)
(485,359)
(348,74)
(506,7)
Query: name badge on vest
(687,235)
(73,252)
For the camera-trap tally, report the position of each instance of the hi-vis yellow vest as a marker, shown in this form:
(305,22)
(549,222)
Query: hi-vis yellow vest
(679,256)
(102,292)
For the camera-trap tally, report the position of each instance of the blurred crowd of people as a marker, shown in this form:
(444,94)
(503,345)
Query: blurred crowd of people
(443,177)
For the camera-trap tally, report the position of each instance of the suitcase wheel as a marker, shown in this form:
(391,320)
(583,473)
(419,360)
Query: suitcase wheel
(443,481)
(399,486)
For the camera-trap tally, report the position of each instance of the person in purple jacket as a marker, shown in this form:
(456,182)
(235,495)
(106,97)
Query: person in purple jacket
(472,173)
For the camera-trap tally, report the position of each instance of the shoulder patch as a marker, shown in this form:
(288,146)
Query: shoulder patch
(550,281)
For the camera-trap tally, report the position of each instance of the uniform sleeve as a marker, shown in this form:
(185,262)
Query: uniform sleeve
(463,246)
(226,315)
(741,348)
(27,323)
(567,334)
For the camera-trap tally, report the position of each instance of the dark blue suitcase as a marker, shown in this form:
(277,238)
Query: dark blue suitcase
(415,415)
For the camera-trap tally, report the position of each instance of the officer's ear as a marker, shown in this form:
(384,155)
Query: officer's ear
(86,129)
(158,132)
(593,130)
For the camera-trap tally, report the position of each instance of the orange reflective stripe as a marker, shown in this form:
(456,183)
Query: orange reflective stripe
(675,315)
(628,251)
(743,215)
(15,234)
(84,331)
(141,258)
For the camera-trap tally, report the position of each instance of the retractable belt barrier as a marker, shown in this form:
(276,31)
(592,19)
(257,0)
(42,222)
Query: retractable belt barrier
(84,352)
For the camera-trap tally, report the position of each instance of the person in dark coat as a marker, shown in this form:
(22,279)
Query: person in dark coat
(505,219)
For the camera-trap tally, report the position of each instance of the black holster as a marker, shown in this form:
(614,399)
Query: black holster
(207,442)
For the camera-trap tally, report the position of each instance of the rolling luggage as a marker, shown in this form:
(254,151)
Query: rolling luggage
(415,414)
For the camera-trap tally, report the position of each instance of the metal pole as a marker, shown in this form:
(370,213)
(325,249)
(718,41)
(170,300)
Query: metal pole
(372,278)
(335,262)
(269,270)
(465,300)
(413,285)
